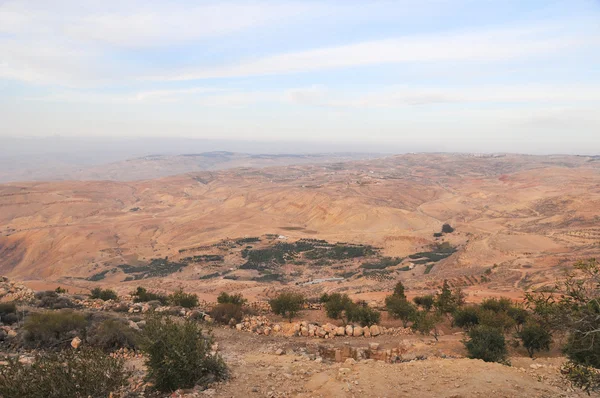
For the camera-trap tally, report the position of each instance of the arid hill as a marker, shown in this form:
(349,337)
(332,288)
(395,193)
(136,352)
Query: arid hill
(518,219)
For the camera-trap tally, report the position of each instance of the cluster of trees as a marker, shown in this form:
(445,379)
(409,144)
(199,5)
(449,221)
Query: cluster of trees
(425,312)
(340,306)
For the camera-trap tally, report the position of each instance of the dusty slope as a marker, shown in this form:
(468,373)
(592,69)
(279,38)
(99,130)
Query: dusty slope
(527,214)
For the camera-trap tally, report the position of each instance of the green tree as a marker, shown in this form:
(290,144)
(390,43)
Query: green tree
(399,290)
(466,317)
(399,308)
(287,304)
(486,343)
(444,300)
(535,337)
(425,322)
(363,314)
(337,305)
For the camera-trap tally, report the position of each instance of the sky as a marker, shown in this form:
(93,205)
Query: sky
(442,75)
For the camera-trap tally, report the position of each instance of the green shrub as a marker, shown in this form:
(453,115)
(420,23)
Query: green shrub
(466,317)
(179,355)
(226,298)
(447,229)
(52,300)
(104,294)
(141,295)
(499,320)
(535,337)
(486,343)
(69,373)
(183,299)
(287,304)
(53,329)
(60,290)
(497,305)
(112,334)
(224,313)
(399,308)
(8,313)
(426,302)
(519,316)
(363,314)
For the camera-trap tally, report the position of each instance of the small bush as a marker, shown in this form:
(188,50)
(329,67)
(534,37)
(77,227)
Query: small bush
(183,299)
(447,229)
(52,300)
(287,304)
(60,290)
(224,313)
(486,343)
(141,295)
(497,305)
(226,298)
(112,334)
(179,355)
(8,313)
(53,329)
(104,294)
(70,373)
(364,315)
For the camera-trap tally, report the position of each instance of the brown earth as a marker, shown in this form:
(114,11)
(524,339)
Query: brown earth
(528,216)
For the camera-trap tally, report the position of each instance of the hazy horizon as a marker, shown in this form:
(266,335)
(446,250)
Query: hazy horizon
(395,76)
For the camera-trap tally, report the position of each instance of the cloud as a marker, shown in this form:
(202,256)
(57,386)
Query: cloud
(475,46)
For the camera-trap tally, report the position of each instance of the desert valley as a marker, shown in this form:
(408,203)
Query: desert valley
(490,226)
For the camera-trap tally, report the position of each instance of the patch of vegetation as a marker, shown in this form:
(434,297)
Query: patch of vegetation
(141,295)
(486,343)
(247,240)
(535,337)
(69,373)
(112,334)
(52,300)
(437,253)
(363,314)
(447,229)
(8,313)
(404,269)
(384,262)
(53,329)
(224,313)
(203,258)
(287,304)
(226,298)
(425,322)
(210,276)
(428,269)
(182,299)
(179,355)
(104,294)
(98,276)
(157,267)
(269,278)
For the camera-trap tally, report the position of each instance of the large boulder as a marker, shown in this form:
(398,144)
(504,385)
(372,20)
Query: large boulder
(340,331)
(375,331)
(349,330)
(358,331)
